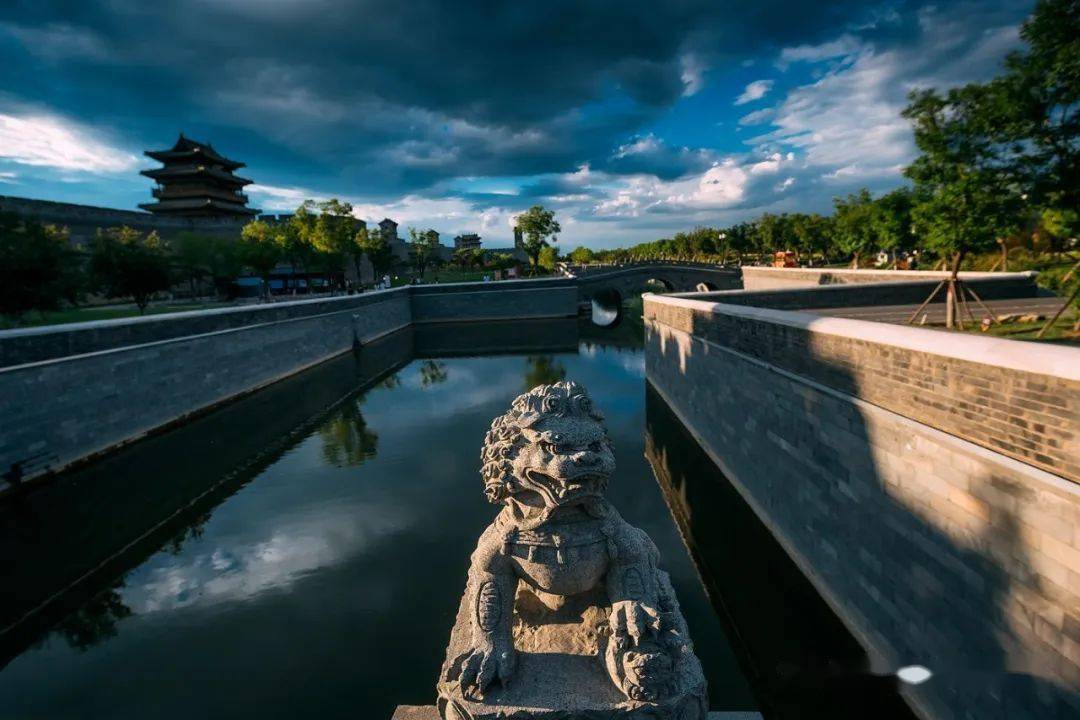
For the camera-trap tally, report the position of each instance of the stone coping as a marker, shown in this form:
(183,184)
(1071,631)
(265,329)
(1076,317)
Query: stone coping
(849,287)
(1042,359)
(866,272)
(361,299)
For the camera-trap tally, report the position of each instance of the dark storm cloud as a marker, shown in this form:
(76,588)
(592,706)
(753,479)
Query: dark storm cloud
(396,95)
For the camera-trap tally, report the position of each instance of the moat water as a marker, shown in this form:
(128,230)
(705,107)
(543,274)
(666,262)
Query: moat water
(302,552)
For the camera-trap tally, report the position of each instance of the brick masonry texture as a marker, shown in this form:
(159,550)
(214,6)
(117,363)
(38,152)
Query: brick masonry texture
(933,550)
(77,406)
(1032,418)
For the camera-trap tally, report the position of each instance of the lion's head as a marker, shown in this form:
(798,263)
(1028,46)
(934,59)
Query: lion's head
(549,450)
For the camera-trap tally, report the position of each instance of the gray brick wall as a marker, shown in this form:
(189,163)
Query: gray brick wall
(74,391)
(76,406)
(933,550)
(57,341)
(1032,418)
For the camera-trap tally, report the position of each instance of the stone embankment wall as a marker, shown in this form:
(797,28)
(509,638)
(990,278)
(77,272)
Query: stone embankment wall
(926,484)
(771,278)
(74,391)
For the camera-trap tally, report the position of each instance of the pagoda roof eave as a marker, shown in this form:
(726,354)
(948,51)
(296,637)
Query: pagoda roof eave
(194,172)
(185,148)
(167,207)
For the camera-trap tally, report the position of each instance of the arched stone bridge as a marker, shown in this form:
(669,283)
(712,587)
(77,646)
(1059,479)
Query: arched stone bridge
(615,283)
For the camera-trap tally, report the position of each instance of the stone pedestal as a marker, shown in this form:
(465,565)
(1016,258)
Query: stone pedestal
(560,671)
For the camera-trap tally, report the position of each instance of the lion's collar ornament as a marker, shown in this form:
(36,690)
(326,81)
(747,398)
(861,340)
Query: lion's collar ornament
(565,610)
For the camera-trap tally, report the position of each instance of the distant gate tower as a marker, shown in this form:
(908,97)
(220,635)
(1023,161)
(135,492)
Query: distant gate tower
(196,182)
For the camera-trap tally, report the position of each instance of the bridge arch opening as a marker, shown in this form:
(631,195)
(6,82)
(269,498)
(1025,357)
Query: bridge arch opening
(607,307)
(658,286)
(706,287)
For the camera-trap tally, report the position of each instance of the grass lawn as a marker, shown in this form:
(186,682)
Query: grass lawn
(85,314)
(1061,332)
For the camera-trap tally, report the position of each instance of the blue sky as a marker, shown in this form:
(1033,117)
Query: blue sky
(633,120)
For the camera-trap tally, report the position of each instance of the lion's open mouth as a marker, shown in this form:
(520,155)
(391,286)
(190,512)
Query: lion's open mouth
(561,491)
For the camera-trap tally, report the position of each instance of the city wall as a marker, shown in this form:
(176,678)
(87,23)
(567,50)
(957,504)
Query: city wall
(925,484)
(83,221)
(72,392)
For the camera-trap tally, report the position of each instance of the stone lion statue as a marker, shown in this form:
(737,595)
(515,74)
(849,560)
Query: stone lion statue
(547,461)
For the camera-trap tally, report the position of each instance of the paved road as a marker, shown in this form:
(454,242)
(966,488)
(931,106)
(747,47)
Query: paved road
(899,314)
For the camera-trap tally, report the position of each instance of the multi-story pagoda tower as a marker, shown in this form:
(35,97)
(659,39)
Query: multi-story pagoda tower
(196,182)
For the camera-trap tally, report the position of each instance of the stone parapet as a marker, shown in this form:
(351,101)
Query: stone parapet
(773,278)
(874,456)
(1016,398)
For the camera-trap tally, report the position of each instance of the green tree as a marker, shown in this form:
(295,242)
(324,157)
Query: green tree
(423,249)
(378,250)
(224,265)
(126,263)
(1033,110)
(740,238)
(772,233)
(811,234)
(259,249)
(853,230)
(193,254)
(582,255)
(462,257)
(549,255)
(293,239)
(331,233)
(891,221)
(966,194)
(537,225)
(38,267)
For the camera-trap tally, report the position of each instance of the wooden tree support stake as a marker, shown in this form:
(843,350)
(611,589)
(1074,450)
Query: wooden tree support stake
(926,302)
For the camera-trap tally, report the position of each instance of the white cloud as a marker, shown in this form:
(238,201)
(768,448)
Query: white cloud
(233,571)
(640,146)
(754,91)
(9,177)
(851,116)
(840,47)
(724,185)
(693,74)
(757,117)
(281,199)
(52,141)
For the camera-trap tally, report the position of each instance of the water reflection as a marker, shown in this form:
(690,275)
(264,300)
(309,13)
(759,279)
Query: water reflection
(432,372)
(96,620)
(347,439)
(319,574)
(542,370)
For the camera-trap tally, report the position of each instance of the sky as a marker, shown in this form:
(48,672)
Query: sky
(632,120)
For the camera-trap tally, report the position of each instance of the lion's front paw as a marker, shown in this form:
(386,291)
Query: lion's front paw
(632,621)
(484,664)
